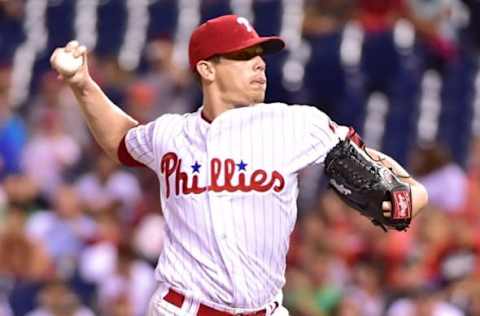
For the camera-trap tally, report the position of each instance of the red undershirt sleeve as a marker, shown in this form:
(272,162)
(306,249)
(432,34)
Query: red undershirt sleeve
(125,157)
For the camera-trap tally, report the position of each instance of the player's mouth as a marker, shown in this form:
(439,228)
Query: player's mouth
(259,81)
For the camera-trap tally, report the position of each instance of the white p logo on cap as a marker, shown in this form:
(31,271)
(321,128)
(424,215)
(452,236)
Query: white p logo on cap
(243,21)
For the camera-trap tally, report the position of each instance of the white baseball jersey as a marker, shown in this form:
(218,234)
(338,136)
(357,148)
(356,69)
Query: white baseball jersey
(228,190)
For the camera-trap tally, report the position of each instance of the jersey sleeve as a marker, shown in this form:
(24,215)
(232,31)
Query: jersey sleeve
(137,147)
(319,135)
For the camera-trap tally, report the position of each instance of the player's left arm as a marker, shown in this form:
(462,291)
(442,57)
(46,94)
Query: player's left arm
(361,178)
(419,193)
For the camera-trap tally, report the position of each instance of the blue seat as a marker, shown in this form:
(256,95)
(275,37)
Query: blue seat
(276,91)
(60,19)
(268,17)
(327,84)
(163,18)
(324,79)
(457,106)
(213,8)
(60,28)
(380,60)
(404,91)
(11,35)
(112,19)
(22,298)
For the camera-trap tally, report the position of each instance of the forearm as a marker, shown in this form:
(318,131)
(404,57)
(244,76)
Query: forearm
(107,122)
(419,193)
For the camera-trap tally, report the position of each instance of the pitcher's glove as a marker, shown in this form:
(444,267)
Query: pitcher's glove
(365,184)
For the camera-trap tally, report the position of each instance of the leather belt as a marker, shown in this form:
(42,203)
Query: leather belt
(177,299)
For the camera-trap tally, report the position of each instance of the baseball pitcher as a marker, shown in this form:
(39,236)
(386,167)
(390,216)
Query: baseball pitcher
(228,173)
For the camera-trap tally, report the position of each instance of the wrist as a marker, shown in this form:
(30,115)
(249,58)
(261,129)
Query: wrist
(81,86)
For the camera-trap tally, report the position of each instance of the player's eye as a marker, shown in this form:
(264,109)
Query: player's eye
(239,56)
(245,54)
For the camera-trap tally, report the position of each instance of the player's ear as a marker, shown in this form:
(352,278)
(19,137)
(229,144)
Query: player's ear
(206,70)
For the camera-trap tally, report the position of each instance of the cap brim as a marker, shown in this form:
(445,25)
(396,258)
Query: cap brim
(270,45)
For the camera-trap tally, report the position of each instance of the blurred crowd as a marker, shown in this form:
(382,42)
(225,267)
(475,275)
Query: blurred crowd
(80,235)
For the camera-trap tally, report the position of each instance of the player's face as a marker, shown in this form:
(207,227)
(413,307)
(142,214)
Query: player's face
(241,76)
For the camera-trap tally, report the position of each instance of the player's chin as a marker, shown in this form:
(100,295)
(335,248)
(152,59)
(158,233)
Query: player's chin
(258,96)
(258,99)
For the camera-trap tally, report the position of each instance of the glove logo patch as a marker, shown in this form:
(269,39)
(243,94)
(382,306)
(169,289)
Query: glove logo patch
(340,187)
(403,209)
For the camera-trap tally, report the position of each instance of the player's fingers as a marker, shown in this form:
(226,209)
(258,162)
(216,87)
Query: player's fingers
(386,205)
(85,55)
(71,46)
(80,51)
(387,208)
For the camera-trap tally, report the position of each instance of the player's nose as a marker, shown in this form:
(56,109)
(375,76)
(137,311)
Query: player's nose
(259,64)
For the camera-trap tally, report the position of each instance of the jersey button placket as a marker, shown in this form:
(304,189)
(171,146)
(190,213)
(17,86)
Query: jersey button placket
(215,202)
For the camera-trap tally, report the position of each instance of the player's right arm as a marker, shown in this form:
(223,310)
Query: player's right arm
(107,122)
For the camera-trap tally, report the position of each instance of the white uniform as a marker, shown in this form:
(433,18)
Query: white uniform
(228,190)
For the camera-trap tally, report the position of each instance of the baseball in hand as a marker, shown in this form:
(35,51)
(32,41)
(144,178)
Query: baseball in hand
(66,63)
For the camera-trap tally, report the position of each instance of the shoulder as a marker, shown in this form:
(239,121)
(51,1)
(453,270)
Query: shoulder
(284,108)
(166,123)
(284,114)
(172,118)
(141,142)
(308,110)
(289,108)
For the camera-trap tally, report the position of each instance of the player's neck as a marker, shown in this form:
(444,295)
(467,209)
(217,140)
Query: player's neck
(210,112)
(215,102)
(213,107)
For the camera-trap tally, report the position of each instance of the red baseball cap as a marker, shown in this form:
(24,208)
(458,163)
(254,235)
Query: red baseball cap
(227,34)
